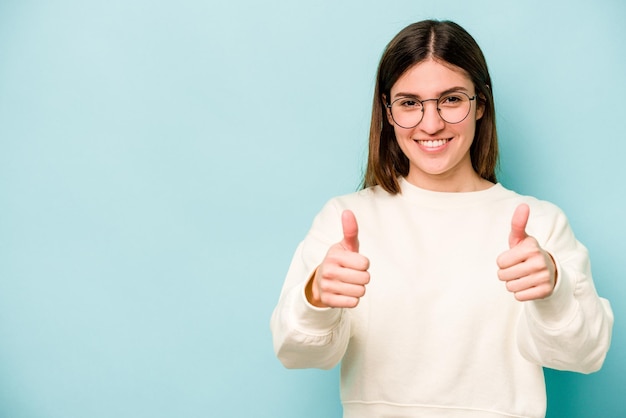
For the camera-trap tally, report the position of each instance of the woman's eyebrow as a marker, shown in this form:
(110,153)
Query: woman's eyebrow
(417,96)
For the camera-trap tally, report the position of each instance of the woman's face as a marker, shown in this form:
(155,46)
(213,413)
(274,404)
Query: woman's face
(438,151)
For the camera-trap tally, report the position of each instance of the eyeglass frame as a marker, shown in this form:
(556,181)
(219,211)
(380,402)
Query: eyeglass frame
(389,105)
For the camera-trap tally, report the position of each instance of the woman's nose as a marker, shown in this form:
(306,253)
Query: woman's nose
(431,120)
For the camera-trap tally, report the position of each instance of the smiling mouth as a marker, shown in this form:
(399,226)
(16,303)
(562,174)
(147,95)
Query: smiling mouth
(433,143)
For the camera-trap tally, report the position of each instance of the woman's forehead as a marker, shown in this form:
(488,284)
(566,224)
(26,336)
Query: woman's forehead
(432,77)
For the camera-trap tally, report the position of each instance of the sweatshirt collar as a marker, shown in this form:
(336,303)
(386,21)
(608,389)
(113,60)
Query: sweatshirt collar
(450,199)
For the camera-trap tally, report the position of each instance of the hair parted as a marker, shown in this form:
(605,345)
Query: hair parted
(449,43)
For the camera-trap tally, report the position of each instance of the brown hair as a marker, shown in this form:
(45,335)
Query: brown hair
(446,42)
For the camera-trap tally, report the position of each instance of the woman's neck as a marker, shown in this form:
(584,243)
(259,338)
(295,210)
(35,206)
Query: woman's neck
(452,184)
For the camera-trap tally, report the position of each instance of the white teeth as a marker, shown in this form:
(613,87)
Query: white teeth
(433,143)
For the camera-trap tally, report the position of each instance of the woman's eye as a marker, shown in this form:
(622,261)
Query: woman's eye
(410,103)
(451,100)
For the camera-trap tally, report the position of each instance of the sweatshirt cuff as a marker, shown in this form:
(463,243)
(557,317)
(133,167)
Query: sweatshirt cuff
(558,309)
(313,319)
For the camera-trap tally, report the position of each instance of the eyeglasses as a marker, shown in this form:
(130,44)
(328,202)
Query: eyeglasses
(407,112)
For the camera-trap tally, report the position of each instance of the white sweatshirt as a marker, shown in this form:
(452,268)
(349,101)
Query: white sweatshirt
(437,334)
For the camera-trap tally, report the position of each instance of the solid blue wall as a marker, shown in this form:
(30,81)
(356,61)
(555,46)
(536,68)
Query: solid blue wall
(160,161)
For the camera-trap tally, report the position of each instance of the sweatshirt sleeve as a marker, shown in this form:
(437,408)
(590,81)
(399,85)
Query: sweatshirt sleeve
(305,336)
(571,329)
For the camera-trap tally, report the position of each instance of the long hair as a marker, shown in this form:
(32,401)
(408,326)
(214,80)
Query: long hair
(446,42)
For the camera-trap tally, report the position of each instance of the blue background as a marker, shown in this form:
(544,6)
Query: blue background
(160,161)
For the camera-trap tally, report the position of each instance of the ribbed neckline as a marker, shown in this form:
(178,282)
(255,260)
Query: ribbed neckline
(451,199)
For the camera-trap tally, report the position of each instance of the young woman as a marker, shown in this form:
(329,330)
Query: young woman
(441,293)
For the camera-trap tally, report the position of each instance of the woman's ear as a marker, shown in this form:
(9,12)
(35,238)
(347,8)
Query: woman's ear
(481,103)
(480,107)
(387,110)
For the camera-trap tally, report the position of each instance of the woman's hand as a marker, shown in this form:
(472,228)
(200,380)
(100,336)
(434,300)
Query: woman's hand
(528,270)
(339,281)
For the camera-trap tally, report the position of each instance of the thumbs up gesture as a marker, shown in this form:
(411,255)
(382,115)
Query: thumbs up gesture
(528,270)
(339,281)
